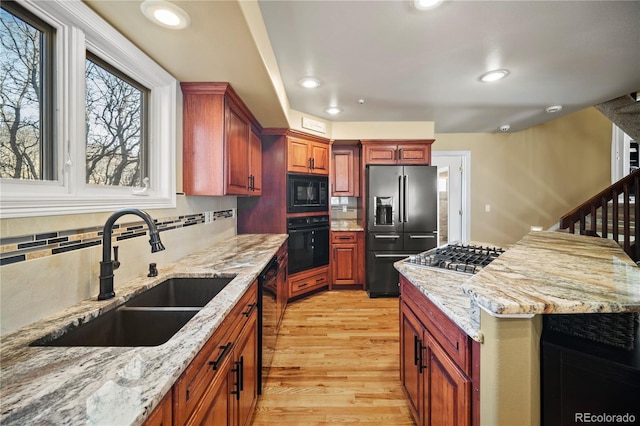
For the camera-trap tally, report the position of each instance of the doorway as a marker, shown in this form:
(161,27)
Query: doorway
(454,182)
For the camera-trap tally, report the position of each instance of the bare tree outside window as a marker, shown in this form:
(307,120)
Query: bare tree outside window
(21,79)
(115,128)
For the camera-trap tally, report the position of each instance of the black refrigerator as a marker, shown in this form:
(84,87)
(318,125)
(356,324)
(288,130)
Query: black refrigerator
(402,219)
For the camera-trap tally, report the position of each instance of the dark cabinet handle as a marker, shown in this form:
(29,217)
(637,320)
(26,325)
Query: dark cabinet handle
(313,163)
(248,311)
(236,384)
(416,348)
(241,367)
(422,366)
(225,350)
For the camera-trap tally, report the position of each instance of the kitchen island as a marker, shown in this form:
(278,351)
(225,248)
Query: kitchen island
(500,307)
(121,385)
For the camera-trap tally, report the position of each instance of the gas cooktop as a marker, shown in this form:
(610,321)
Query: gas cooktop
(457,257)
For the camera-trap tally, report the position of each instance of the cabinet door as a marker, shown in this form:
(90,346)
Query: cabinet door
(237,152)
(162,415)
(298,159)
(449,392)
(216,405)
(344,170)
(380,153)
(411,361)
(414,154)
(319,155)
(255,164)
(246,360)
(345,257)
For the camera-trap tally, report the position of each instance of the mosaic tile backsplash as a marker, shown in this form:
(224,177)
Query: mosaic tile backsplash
(28,247)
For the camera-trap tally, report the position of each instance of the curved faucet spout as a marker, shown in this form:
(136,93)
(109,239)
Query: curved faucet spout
(106,266)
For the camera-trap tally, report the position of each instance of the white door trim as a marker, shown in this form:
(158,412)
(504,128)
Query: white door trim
(465,161)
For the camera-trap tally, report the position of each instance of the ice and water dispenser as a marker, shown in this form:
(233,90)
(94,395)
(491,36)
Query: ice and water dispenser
(384,210)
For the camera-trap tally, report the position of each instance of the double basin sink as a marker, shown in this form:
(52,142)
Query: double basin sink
(147,319)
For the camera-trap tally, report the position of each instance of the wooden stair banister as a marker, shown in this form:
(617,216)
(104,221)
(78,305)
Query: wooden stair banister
(628,187)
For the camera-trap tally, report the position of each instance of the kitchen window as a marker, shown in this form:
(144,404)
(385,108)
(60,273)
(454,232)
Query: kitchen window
(103,137)
(26,64)
(115,111)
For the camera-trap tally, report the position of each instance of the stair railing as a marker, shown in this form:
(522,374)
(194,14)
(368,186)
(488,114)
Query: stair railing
(586,214)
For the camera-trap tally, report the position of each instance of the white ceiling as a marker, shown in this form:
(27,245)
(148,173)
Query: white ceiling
(406,65)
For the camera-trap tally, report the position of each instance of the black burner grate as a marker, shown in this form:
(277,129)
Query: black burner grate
(465,258)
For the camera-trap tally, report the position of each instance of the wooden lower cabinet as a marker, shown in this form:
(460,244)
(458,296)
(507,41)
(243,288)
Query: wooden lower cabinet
(308,281)
(162,415)
(441,386)
(220,386)
(347,258)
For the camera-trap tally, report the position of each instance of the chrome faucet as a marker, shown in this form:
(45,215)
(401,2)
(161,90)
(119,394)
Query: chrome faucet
(107,265)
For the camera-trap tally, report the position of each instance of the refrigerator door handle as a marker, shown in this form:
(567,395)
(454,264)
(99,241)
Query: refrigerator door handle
(386,237)
(401,200)
(404,197)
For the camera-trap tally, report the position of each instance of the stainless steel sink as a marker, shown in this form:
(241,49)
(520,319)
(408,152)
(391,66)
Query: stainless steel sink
(148,319)
(191,292)
(125,327)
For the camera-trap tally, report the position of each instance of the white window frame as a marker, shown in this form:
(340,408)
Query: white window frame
(79,29)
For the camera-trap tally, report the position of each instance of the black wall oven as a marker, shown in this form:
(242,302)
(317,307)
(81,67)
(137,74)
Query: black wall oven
(307,193)
(308,242)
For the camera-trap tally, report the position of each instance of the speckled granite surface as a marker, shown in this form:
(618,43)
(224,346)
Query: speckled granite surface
(346,225)
(556,272)
(545,272)
(121,385)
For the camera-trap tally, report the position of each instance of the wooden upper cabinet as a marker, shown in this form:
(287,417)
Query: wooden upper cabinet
(345,171)
(221,146)
(307,156)
(255,164)
(397,152)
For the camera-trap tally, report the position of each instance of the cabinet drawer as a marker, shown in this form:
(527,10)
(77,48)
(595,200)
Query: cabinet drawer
(306,283)
(196,379)
(344,237)
(451,338)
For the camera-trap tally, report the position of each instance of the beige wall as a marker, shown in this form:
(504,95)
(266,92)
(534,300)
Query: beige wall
(534,176)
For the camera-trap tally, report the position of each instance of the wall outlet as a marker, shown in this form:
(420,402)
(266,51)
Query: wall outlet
(344,209)
(487,208)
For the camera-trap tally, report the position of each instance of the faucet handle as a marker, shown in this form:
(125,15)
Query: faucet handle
(115,263)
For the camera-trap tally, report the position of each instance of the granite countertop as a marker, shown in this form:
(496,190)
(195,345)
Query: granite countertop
(346,225)
(558,273)
(121,385)
(543,273)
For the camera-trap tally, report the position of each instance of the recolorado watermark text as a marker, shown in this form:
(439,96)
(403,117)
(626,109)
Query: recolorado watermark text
(604,418)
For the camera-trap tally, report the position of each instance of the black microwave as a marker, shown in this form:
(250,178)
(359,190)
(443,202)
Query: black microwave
(307,193)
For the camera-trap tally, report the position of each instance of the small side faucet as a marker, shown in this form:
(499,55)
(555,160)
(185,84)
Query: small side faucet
(107,265)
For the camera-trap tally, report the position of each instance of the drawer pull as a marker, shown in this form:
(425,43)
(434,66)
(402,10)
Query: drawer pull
(248,311)
(303,285)
(225,350)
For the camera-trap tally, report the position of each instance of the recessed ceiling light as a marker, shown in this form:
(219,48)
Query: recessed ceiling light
(426,4)
(494,75)
(333,110)
(554,108)
(309,82)
(165,14)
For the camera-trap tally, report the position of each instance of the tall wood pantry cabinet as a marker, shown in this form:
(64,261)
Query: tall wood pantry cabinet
(222,149)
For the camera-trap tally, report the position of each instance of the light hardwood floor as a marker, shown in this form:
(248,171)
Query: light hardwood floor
(336,362)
